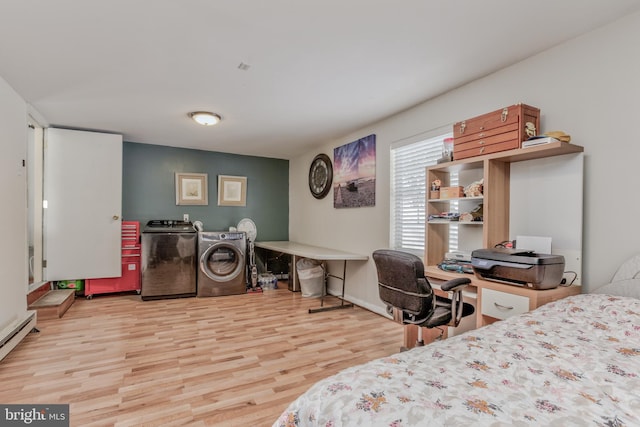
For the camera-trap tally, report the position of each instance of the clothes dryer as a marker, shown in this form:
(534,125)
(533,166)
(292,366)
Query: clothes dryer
(221,263)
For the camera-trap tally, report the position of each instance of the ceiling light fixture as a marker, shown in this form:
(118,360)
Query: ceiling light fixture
(205,118)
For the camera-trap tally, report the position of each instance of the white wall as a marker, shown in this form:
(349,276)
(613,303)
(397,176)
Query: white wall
(13,214)
(589,87)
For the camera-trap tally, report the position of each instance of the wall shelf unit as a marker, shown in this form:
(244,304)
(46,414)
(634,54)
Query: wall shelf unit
(495,170)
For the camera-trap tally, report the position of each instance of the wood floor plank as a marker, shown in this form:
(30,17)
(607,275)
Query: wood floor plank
(220,361)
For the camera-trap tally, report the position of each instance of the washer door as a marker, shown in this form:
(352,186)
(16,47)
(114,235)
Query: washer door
(222,262)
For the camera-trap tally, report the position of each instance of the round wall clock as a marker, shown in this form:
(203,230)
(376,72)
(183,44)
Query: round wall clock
(320,176)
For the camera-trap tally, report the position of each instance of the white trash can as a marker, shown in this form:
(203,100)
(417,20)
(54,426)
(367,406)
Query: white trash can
(311,277)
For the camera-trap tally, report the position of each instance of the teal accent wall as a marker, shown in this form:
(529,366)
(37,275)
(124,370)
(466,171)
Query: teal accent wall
(148,188)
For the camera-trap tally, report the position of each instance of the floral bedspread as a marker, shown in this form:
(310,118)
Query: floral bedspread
(572,362)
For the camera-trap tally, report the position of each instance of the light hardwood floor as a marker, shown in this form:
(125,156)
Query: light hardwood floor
(222,361)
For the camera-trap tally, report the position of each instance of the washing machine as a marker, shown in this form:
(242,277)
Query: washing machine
(221,263)
(169,250)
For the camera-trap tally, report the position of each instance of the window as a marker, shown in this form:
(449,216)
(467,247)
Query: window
(408,190)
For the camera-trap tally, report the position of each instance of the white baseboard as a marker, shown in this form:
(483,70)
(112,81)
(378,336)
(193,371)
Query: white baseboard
(15,332)
(374,308)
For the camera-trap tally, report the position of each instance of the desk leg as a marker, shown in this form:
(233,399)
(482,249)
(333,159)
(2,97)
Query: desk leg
(410,337)
(324,292)
(294,284)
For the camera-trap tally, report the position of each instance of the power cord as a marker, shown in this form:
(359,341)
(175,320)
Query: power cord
(563,282)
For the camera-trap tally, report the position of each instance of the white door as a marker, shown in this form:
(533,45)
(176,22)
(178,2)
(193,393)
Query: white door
(83,204)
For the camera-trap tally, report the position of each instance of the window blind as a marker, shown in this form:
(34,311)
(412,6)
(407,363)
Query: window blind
(408,191)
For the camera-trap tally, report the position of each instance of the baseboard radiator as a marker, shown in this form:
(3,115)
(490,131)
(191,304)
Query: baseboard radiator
(11,336)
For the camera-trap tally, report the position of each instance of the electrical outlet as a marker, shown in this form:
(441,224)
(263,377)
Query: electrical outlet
(185,217)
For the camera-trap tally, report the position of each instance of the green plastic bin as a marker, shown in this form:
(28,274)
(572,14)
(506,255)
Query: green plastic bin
(78,285)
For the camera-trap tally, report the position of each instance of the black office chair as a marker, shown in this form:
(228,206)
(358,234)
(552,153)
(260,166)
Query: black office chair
(410,299)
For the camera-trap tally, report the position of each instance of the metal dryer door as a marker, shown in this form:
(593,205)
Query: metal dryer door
(222,261)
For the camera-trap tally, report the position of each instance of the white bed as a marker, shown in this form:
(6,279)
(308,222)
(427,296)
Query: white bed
(572,362)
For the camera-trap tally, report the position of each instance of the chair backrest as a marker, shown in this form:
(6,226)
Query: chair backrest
(401,282)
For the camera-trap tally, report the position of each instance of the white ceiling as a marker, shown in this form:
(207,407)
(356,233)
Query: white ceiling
(318,69)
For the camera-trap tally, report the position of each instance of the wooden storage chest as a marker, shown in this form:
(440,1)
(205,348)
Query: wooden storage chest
(500,130)
(451,192)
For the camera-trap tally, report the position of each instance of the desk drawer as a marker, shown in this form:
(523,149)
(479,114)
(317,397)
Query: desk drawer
(502,305)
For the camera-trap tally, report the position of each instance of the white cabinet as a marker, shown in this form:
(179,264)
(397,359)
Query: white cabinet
(502,305)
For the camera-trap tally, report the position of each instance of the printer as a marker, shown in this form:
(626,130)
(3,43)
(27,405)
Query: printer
(518,267)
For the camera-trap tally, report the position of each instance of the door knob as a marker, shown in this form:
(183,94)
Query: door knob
(116,217)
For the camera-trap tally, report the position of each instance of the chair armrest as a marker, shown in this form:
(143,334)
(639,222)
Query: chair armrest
(455,285)
(457,304)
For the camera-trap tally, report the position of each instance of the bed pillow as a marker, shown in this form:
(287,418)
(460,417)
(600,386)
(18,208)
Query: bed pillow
(630,269)
(622,288)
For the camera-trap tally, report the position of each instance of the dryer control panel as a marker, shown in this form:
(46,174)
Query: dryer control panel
(232,235)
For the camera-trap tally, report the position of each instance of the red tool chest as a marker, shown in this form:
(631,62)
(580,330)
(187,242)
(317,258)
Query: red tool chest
(131,256)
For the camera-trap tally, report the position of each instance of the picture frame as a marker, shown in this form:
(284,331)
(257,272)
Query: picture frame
(232,190)
(354,182)
(191,189)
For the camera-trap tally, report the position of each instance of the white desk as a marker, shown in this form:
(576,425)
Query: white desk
(321,254)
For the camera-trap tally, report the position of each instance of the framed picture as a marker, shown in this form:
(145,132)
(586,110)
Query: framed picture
(232,190)
(354,183)
(191,189)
